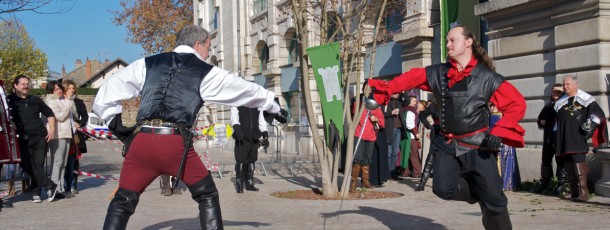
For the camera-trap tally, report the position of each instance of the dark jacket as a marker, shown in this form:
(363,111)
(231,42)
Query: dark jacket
(26,114)
(548,114)
(83,117)
(391,120)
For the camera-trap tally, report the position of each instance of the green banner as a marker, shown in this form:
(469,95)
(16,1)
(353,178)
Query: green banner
(449,14)
(327,70)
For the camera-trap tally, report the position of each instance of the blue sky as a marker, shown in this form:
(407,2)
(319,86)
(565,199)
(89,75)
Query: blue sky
(86,31)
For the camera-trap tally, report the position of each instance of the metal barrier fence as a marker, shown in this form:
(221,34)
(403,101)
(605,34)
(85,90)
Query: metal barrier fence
(288,144)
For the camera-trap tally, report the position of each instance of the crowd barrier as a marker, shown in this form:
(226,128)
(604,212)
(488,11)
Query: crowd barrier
(289,144)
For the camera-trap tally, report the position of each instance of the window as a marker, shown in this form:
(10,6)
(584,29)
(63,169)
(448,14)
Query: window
(95,121)
(393,22)
(258,6)
(264,57)
(213,16)
(293,49)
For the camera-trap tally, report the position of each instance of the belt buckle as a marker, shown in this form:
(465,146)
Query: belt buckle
(156,122)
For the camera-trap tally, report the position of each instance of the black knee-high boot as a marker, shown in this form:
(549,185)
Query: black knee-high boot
(205,193)
(561,180)
(122,206)
(239,178)
(250,178)
(426,173)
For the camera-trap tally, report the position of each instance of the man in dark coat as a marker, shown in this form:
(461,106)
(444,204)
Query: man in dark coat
(579,118)
(546,121)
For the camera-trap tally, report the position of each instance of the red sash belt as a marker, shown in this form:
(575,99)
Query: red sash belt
(452,136)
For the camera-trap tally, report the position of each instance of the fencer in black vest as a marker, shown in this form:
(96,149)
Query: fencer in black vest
(172,88)
(249,126)
(465,164)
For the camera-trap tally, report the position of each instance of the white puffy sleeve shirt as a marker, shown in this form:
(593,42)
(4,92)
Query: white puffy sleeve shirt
(218,86)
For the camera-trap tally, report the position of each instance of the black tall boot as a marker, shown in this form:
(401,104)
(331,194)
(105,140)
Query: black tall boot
(205,193)
(546,172)
(250,177)
(496,221)
(239,178)
(122,206)
(572,178)
(561,180)
(426,173)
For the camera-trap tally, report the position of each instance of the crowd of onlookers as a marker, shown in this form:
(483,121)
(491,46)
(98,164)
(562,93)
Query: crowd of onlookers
(46,126)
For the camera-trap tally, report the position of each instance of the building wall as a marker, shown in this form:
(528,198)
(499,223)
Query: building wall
(97,83)
(535,43)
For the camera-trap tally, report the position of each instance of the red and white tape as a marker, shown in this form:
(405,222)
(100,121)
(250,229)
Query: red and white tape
(95,175)
(98,133)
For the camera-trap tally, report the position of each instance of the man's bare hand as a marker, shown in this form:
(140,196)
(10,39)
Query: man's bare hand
(50,136)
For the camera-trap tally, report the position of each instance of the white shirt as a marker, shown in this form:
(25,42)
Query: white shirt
(410,119)
(218,86)
(3,96)
(262,124)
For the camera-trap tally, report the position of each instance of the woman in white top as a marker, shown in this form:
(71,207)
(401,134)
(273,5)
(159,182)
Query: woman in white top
(63,109)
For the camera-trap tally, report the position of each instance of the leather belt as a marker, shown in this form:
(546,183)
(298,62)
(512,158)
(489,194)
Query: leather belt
(160,130)
(451,136)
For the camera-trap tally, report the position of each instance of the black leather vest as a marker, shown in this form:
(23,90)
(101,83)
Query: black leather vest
(248,119)
(171,90)
(463,108)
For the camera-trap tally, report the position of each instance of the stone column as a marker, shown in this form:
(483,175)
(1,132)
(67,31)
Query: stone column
(602,186)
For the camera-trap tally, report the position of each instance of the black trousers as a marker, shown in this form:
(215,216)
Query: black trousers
(246,151)
(478,168)
(33,154)
(548,152)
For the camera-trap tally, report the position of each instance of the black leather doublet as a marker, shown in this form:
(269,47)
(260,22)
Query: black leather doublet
(463,108)
(171,90)
(248,119)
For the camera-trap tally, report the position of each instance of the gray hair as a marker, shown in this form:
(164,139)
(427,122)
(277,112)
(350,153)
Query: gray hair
(190,34)
(569,76)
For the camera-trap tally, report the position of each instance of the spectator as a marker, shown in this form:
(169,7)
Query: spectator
(33,136)
(578,119)
(366,134)
(58,147)
(429,111)
(393,133)
(9,152)
(77,143)
(411,161)
(546,121)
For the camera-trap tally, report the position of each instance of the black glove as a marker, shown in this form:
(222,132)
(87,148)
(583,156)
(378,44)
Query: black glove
(589,128)
(265,140)
(491,143)
(238,135)
(264,143)
(119,130)
(281,117)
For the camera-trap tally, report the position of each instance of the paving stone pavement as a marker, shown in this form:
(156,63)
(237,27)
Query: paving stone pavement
(413,210)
